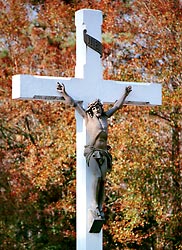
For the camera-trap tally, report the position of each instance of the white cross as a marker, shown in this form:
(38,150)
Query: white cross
(87,86)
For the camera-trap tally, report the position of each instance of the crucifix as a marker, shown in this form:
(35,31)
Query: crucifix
(85,87)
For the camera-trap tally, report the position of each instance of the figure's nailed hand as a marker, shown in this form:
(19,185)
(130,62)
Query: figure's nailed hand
(128,90)
(60,88)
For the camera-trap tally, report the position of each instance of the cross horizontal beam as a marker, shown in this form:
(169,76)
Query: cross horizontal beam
(44,88)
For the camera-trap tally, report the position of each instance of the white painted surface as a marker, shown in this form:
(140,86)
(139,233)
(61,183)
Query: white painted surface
(87,86)
(89,68)
(87,90)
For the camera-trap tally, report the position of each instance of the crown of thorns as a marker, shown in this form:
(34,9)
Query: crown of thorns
(93,104)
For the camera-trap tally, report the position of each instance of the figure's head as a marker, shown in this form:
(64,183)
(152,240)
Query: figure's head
(95,108)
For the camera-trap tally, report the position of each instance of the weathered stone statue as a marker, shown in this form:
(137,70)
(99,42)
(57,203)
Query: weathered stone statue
(96,151)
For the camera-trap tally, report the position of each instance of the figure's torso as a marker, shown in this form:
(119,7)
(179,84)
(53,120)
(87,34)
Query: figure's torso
(97,129)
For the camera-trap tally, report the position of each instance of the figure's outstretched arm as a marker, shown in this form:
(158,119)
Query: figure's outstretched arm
(69,100)
(119,103)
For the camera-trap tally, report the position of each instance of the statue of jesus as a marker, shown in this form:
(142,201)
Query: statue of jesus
(97,153)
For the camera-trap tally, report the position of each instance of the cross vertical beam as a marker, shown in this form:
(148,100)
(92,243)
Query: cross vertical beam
(88,66)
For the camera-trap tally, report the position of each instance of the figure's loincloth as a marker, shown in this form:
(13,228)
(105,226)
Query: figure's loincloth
(98,154)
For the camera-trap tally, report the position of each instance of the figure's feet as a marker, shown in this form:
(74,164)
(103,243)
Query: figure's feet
(99,213)
(102,214)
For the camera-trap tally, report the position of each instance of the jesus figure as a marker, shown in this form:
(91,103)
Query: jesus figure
(96,152)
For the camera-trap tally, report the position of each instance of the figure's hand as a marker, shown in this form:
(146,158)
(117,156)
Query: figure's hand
(65,97)
(61,88)
(128,90)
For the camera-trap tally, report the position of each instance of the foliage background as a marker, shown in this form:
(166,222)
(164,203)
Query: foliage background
(142,42)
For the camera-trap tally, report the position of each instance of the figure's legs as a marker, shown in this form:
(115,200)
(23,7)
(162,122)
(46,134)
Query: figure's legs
(101,199)
(95,184)
(101,194)
(98,185)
